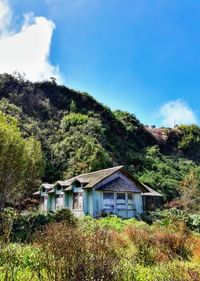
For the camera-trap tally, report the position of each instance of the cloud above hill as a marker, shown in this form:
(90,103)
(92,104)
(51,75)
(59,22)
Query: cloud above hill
(176,112)
(5,16)
(28,50)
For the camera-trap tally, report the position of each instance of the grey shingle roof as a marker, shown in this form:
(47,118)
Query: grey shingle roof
(92,179)
(47,186)
(151,192)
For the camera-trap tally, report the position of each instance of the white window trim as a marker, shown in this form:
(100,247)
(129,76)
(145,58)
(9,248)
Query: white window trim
(115,201)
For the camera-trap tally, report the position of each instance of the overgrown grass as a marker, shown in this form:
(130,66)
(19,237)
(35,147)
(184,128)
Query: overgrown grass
(108,249)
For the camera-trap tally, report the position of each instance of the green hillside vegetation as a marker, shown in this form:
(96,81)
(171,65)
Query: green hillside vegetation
(21,162)
(78,134)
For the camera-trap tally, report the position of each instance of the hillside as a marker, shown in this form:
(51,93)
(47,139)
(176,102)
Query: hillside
(78,134)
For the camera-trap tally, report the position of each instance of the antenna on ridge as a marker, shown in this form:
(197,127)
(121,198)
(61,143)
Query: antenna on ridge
(174,123)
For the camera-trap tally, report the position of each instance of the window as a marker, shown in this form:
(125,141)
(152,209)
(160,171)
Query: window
(78,200)
(108,200)
(59,201)
(130,201)
(76,184)
(118,201)
(43,202)
(121,201)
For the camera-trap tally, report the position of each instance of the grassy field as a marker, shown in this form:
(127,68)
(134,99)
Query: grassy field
(104,249)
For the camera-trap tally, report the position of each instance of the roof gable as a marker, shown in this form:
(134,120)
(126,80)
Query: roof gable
(94,179)
(90,180)
(120,185)
(151,192)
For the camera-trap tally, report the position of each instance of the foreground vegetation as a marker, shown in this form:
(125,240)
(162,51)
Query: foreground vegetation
(65,248)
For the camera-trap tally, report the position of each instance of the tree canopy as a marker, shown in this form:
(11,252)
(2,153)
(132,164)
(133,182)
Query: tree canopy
(21,162)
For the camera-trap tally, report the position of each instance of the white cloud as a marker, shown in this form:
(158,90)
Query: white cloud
(5,16)
(177,112)
(28,50)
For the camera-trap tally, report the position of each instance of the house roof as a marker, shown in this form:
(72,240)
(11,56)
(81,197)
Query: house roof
(36,193)
(94,178)
(47,186)
(90,180)
(151,192)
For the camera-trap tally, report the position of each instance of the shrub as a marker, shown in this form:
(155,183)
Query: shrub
(25,225)
(173,217)
(69,254)
(174,271)
(153,246)
(64,215)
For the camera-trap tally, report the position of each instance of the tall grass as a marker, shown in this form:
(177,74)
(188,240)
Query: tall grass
(102,250)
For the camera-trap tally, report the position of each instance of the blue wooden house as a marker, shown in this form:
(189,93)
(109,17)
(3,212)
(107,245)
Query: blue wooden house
(104,192)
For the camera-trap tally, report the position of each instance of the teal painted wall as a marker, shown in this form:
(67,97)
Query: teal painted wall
(97,203)
(89,202)
(53,202)
(49,203)
(85,202)
(138,203)
(68,200)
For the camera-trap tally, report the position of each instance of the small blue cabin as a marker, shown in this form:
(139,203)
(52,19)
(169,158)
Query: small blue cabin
(104,192)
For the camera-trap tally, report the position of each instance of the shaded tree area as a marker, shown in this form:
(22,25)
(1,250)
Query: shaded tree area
(42,107)
(78,134)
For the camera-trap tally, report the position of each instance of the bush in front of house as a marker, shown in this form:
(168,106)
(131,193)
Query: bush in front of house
(71,254)
(173,216)
(21,227)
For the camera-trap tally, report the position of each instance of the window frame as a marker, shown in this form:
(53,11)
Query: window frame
(116,206)
(58,204)
(79,205)
(133,206)
(120,204)
(104,206)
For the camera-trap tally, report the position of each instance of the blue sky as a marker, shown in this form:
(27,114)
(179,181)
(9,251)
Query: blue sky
(136,55)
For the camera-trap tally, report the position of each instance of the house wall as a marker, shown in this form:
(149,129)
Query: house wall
(50,199)
(90,205)
(43,202)
(68,201)
(125,213)
(139,203)
(88,201)
(93,199)
(97,203)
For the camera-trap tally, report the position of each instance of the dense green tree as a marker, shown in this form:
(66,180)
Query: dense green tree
(163,173)
(20,162)
(81,146)
(190,190)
